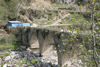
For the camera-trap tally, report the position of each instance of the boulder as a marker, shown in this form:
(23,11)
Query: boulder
(31,66)
(5,65)
(7,58)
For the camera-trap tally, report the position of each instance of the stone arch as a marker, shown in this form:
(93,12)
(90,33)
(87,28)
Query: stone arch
(48,46)
(68,60)
(34,43)
(49,49)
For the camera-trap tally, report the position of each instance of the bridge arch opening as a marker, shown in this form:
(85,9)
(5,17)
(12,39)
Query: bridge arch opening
(34,43)
(49,49)
(69,56)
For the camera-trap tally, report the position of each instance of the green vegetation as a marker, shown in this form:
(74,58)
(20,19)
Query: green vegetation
(8,42)
(36,60)
(66,7)
(43,22)
(84,38)
(21,62)
(9,46)
(28,63)
(84,42)
(8,10)
(3,64)
(74,18)
(61,6)
(1,57)
(33,61)
(7,54)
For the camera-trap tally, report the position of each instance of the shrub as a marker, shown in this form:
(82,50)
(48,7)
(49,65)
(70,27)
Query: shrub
(7,54)
(37,60)
(33,61)
(1,56)
(28,63)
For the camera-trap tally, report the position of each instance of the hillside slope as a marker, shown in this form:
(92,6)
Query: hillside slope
(41,4)
(37,4)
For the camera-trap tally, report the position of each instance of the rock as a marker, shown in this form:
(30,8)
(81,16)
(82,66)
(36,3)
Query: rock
(12,56)
(38,63)
(9,65)
(19,56)
(5,65)
(45,23)
(28,49)
(24,65)
(25,55)
(56,63)
(30,58)
(23,47)
(33,56)
(7,58)
(61,30)
(0,60)
(48,61)
(14,65)
(48,66)
(12,53)
(31,66)
(9,50)
(80,61)
(42,60)
(37,54)
(55,52)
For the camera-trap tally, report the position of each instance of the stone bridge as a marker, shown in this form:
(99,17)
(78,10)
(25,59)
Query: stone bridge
(47,40)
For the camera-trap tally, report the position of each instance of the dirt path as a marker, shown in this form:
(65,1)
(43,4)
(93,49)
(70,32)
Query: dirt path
(59,20)
(55,22)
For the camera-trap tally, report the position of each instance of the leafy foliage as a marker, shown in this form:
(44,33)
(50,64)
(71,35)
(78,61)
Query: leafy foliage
(83,40)
(7,54)
(8,9)
(28,63)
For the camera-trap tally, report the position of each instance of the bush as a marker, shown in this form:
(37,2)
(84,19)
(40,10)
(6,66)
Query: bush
(1,56)
(28,63)
(7,39)
(33,61)
(7,54)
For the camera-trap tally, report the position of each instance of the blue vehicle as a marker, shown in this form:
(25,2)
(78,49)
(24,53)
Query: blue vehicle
(26,24)
(17,23)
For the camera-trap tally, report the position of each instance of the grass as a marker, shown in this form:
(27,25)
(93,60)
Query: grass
(43,22)
(36,9)
(65,6)
(48,22)
(74,18)
(61,6)
(4,47)
(8,41)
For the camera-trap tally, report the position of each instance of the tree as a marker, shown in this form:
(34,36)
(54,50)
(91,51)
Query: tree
(93,7)
(85,42)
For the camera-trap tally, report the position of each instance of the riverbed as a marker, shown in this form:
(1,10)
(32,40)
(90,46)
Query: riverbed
(31,54)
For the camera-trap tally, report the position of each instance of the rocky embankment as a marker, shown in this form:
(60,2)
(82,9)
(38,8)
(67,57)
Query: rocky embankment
(24,59)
